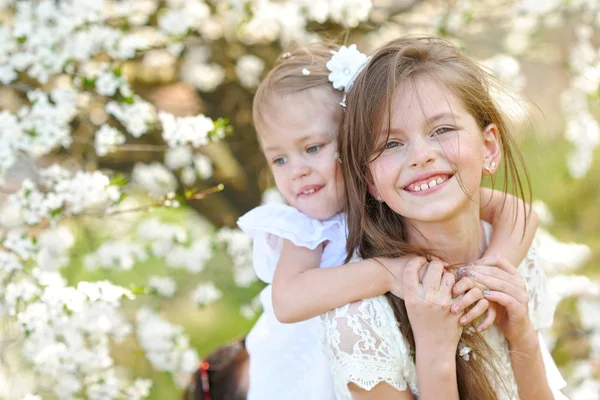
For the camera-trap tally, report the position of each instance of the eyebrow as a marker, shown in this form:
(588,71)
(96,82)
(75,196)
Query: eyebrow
(302,139)
(443,115)
(429,121)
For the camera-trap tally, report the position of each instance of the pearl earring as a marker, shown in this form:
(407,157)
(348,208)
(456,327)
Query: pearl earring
(492,167)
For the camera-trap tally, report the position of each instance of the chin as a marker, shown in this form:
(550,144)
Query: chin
(320,214)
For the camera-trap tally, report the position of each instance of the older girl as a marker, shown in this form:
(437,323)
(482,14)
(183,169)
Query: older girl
(420,132)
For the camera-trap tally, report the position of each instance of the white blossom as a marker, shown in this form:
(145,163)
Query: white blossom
(543,211)
(178,157)
(116,254)
(206,77)
(558,257)
(239,248)
(206,293)
(68,332)
(36,129)
(250,310)
(136,117)
(188,176)
(192,258)
(164,285)
(107,83)
(345,66)
(178,21)
(166,346)
(107,138)
(18,242)
(64,193)
(203,166)
(9,262)
(349,13)
(154,178)
(179,131)
(248,70)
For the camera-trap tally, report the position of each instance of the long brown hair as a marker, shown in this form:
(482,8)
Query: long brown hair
(374,229)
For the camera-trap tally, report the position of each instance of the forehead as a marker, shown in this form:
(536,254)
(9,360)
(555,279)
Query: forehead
(423,98)
(314,111)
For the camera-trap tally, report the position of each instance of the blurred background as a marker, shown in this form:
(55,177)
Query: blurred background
(173,240)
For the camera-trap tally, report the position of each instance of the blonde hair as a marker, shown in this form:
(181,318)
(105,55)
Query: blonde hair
(298,70)
(375,229)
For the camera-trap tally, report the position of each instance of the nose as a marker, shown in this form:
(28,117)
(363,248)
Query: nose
(300,169)
(422,153)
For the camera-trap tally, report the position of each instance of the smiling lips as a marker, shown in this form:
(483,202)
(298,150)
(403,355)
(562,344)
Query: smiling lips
(428,183)
(307,191)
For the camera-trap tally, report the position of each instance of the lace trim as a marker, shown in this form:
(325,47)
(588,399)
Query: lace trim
(367,348)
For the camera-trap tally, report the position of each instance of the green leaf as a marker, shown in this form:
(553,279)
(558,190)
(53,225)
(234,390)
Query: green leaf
(119,180)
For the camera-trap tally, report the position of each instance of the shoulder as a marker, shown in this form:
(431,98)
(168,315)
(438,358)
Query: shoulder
(286,222)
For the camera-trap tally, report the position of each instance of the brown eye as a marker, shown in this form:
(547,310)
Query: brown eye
(442,130)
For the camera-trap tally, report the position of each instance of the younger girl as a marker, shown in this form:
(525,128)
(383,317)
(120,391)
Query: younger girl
(421,112)
(297,113)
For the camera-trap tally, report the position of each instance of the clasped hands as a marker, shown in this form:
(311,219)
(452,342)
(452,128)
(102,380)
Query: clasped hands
(490,286)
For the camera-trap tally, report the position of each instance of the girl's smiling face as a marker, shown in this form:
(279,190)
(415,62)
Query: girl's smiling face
(300,146)
(431,163)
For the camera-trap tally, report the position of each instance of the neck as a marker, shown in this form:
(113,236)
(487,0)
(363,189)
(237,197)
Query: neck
(457,240)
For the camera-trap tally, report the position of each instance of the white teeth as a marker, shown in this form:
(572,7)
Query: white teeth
(309,191)
(431,184)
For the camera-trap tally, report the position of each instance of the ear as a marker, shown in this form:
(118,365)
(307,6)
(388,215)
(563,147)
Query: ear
(492,153)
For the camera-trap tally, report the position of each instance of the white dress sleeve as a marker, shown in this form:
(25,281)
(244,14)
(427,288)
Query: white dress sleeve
(541,312)
(366,347)
(270,224)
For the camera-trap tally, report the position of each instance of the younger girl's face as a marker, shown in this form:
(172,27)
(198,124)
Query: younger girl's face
(300,145)
(433,160)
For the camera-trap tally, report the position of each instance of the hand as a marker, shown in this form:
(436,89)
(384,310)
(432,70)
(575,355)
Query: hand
(395,268)
(428,304)
(507,288)
(468,292)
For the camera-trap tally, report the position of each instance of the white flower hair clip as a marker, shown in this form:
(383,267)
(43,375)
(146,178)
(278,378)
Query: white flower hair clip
(345,65)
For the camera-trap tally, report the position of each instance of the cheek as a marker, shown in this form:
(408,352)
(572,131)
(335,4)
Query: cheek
(382,170)
(281,180)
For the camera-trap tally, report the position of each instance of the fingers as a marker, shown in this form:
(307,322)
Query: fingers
(433,276)
(470,298)
(490,317)
(475,312)
(503,286)
(499,262)
(514,279)
(511,304)
(410,275)
(448,281)
(463,285)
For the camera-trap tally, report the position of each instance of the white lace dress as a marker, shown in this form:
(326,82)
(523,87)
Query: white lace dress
(366,347)
(287,361)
